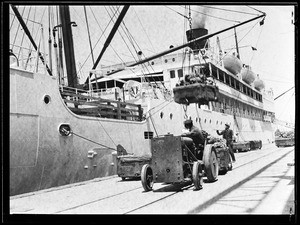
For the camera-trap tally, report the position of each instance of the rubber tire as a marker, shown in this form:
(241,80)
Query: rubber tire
(211,164)
(147,177)
(197,175)
(123,178)
(230,164)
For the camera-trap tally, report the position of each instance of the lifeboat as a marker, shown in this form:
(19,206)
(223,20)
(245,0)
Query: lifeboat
(259,84)
(248,75)
(232,64)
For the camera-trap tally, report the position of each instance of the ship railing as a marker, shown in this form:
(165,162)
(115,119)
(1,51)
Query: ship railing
(26,58)
(82,103)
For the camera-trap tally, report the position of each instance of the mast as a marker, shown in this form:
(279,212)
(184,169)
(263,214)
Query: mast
(110,37)
(236,45)
(184,45)
(68,45)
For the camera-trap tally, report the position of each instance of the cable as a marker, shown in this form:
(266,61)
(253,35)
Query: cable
(229,10)
(215,16)
(106,131)
(71,132)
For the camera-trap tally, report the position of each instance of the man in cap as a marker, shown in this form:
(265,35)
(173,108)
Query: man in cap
(227,135)
(192,137)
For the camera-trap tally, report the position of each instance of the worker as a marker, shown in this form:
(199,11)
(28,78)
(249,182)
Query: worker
(192,137)
(227,135)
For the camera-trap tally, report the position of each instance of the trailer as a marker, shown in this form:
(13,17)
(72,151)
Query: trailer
(284,142)
(241,146)
(256,144)
(129,165)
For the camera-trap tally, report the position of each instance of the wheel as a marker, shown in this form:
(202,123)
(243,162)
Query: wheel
(123,178)
(197,175)
(147,177)
(230,163)
(211,164)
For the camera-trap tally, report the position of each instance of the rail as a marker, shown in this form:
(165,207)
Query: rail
(82,103)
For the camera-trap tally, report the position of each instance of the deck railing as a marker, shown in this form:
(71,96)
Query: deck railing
(82,103)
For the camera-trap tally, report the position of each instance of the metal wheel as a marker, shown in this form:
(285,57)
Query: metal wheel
(211,164)
(197,175)
(147,177)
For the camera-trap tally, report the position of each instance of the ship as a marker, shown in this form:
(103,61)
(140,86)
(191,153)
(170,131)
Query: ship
(62,132)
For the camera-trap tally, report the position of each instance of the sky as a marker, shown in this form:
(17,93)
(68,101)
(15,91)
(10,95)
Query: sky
(155,28)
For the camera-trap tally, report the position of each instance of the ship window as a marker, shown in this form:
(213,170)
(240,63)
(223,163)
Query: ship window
(227,79)
(152,63)
(231,81)
(161,114)
(180,73)
(237,85)
(166,60)
(205,121)
(217,122)
(221,75)
(244,88)
(172,74)
(173,59)
(214,73)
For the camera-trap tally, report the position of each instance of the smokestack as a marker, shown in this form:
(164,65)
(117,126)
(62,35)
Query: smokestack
(195,33)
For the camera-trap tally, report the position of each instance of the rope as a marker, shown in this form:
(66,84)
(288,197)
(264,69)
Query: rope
(153,124)
(230,10)
(71,132)
(106,131)
(144,30)
(177,12)
(215,16)
(97,40)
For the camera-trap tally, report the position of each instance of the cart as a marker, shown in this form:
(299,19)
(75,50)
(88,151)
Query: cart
(256,144)
(174,162)
(241,146)
(284,142)
(129,165)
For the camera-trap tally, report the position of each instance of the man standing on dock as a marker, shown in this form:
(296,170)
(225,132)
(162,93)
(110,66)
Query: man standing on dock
(227,135)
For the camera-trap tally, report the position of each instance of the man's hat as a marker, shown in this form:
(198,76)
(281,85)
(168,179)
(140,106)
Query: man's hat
(226,124)
(187,122)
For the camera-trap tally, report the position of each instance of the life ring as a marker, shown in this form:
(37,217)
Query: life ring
(134,91)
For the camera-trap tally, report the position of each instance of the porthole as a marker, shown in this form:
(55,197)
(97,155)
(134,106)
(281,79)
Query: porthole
(166,60)
(152,63)
(173,59)
(47,99)
(217,122)
(196,119)
(209,121)
(205,121)
(221,123)
(171,115)
(65,130)
(161,114)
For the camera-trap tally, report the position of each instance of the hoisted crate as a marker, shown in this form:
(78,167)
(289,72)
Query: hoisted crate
(196,93)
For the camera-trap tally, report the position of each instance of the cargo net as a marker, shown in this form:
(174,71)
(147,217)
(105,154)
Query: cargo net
(196,89)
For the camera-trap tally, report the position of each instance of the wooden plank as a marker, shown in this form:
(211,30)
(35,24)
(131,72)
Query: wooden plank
(96,98)
(102,106)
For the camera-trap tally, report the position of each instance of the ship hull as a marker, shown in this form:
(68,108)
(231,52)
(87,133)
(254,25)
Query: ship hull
(41,157)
